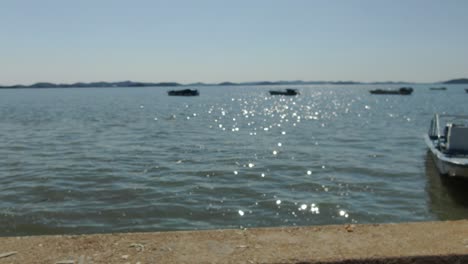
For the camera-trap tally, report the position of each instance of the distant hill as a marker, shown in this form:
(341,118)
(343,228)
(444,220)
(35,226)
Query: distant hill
(196,84)
(94,85)
(289,83)
(228,83)
(171,84)
(457,81)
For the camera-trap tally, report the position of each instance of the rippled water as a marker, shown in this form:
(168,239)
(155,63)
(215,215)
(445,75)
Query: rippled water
(134,159)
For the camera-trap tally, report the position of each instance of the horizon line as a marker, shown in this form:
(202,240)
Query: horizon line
(225,82)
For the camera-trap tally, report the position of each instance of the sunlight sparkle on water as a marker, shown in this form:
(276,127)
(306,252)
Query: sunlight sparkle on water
(241,213)
(278,202)
(314,209)
(343,213)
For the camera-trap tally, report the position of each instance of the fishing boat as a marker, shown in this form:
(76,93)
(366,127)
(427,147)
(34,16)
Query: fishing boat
(185,92)
(285,92)
(438,88)
(401,91)
(449,148)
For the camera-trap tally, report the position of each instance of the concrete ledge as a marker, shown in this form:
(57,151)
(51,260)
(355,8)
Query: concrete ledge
(427,242)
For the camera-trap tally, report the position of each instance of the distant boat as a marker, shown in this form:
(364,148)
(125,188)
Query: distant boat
(185,92)
(449,148)
(285,92)
(401,91)
(438,88)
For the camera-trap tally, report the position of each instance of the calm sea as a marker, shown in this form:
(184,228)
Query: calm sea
(134,159)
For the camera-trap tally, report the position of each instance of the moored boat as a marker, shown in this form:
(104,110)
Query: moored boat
(449,148)
(438,88)
(185,92)
(401,91)
(285,92)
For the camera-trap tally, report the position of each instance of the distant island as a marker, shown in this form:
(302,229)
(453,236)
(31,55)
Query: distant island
(92,84)
(457,81)
(172,84)
(166,84)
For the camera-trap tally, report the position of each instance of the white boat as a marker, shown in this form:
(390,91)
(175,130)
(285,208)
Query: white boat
(449,148)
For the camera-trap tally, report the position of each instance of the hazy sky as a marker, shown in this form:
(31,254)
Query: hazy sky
(238,40)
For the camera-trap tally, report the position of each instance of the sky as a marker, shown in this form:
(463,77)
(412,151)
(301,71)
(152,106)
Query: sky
(213,41)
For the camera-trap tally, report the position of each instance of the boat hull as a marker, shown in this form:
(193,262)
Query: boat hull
(449,166)
(186,92)
(401,91)
(287,92)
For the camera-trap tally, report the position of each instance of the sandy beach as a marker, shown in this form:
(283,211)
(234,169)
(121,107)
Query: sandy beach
(428,242)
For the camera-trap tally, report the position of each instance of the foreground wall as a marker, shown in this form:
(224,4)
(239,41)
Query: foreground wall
(428,242)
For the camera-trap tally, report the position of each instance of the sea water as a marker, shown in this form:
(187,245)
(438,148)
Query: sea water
(87,160)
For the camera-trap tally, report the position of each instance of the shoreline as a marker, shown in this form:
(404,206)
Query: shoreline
(415,242)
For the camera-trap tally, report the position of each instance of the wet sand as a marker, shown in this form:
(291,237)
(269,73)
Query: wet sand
(427,242)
